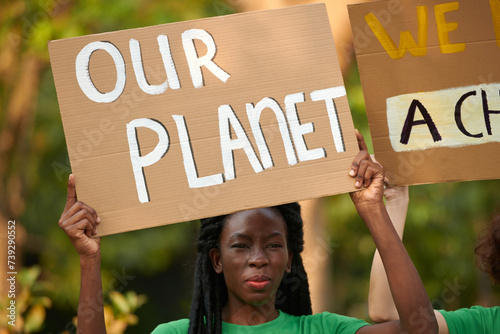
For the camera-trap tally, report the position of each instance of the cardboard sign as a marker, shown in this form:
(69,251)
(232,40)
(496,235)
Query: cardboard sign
(431,79)
(187,120)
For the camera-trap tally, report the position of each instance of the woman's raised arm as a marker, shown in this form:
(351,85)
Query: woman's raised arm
(413,306)
(381,307)
(79,221)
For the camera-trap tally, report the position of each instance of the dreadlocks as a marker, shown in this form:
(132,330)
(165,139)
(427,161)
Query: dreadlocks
(210,292)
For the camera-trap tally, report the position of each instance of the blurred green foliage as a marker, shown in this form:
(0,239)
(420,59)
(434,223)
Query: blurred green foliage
(443,219)
(30,304)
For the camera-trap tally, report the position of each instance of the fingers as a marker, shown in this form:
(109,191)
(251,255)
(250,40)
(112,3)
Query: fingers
(386,180)
(79,221)
(359,164)
(363,168)
(78,218)
(80,214)
(366,171)
(79,211)
(363,172)
(77,207)
(71,198)
(74,228)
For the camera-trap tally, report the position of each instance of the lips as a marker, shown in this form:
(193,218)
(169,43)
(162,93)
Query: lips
(258,282)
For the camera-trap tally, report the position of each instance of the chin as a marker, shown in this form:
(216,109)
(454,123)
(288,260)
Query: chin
(259,301)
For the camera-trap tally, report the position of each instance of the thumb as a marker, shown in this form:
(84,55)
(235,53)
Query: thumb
(361,141)
(71,197)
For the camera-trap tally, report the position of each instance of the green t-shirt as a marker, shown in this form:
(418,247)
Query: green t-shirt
(476,319)
(283,324)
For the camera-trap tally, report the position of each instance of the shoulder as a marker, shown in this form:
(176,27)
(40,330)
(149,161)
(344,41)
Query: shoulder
(477,318)
(474,311)
(177,326)
(326,322)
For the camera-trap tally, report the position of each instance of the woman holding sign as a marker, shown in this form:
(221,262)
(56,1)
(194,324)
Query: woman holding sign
(249,274)
(472,320)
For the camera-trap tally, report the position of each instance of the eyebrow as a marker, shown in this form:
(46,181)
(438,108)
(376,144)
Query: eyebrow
(246,236)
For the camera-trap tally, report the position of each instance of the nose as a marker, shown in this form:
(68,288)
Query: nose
(258,258)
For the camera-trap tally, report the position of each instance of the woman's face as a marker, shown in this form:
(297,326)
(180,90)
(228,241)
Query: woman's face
(253,255)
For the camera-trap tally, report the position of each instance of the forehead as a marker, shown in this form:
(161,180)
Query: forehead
(256,221)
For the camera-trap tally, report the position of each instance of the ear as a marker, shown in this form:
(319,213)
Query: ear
(215,257)
(289,263)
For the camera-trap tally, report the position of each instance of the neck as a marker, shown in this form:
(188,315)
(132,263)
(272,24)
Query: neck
(249,315)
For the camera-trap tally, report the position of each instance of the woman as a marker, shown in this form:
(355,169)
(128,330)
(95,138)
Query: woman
(249,273)
(472,320)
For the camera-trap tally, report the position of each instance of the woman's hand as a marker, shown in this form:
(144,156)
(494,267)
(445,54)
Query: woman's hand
(79,221)
(369,178)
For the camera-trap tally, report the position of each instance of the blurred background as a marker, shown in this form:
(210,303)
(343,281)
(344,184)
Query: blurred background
(147,275)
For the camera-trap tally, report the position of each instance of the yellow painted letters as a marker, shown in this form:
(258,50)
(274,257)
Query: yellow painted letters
(495,13)
(444,28)
(406,41)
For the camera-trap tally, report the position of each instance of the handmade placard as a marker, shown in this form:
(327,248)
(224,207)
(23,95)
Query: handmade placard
(431,79)
(194,119)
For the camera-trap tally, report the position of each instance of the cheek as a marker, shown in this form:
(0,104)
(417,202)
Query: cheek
(281,259)
(233,261)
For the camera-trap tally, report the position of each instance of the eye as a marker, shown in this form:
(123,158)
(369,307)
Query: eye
(275,245)
(239,245)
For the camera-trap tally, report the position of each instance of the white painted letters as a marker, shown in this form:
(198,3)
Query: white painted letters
(253,113)
(83,76)
(233,136)
(328,95)
(299,130)
(227,118)
(195,63)
(172,80)
(189,165)
(138,161)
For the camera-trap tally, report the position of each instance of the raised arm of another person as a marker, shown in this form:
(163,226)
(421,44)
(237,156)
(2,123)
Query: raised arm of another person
(412,303)
(79,221)
(381,306)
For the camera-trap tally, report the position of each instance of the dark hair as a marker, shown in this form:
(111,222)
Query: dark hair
(210,292)
(488,249)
